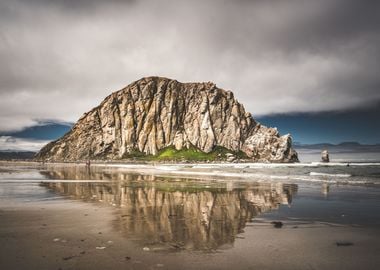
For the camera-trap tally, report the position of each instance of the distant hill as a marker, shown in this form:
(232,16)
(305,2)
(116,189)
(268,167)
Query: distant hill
(47,130)
(349,144)
(23,144)
(343,146)
(22,155)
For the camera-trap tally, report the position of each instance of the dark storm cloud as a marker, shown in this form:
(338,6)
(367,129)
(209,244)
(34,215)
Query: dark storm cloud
(74,5)
(60,58)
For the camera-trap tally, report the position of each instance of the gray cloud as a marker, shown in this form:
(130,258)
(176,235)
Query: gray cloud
(61,58)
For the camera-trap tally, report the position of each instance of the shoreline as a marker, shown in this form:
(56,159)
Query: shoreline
(314,172)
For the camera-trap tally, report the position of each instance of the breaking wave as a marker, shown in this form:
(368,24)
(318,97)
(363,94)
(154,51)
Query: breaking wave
(330,174)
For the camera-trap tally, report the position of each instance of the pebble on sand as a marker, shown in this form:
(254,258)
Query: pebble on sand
(344,244)
(277,224)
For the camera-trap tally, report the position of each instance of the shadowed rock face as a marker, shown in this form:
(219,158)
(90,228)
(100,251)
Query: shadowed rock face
(164,213)
(153,113)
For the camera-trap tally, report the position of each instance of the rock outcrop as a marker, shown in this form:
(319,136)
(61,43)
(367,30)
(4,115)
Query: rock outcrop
(325,156)
(153,113)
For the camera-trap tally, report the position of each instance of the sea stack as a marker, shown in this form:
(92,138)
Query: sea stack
(155,113)
(325,156)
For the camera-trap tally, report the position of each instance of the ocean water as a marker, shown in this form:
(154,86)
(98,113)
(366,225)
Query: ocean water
(207,206)
(340,155)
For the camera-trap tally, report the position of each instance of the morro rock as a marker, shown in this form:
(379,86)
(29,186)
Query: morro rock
(154,113)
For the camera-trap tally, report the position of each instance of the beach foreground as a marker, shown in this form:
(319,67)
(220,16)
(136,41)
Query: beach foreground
(54,218)
(45,237)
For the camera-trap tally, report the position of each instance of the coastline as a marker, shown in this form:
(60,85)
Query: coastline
(317,172)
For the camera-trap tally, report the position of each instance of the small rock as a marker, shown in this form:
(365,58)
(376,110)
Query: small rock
(100,247)
(344,244)
(325,156)
(231,158)
(146,248)
(277,224)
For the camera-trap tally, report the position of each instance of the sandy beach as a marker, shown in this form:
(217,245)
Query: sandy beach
(150,222)
(72,235)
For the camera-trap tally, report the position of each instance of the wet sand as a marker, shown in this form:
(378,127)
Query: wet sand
(73,218)
(67,235)
(75,235)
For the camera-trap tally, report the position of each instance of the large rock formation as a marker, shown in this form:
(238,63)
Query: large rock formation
(153,113)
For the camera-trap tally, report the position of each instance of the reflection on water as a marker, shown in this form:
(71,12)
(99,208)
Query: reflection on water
(172,212)
(325,189)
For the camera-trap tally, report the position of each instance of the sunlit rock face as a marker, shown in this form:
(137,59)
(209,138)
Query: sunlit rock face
(153,113)
(165,213)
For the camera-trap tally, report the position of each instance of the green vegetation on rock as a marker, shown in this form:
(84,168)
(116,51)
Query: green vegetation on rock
(186,154)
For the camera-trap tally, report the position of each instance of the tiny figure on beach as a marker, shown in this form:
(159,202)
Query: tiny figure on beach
(88,163)
(325,156)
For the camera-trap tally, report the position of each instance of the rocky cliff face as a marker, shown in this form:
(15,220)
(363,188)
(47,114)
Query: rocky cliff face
(153,113)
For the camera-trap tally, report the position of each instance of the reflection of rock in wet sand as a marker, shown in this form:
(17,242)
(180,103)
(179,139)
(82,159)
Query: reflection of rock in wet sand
(325,189)
(183,214)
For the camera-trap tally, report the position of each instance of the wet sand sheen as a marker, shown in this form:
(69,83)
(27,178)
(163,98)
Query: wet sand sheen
(128,221)
(65,235)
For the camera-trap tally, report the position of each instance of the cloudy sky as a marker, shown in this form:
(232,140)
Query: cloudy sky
(60,58)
